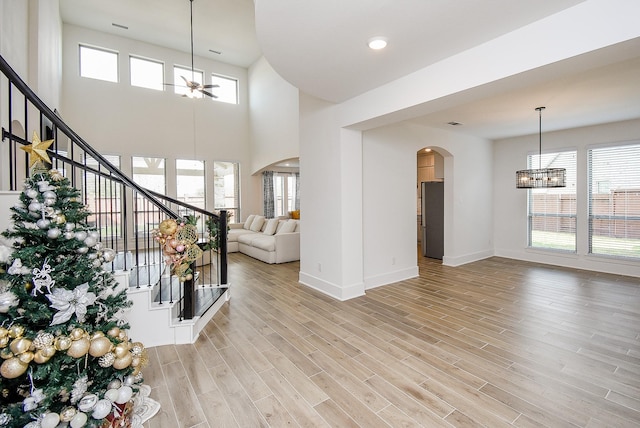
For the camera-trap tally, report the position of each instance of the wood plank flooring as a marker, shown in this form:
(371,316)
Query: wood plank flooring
(496,343)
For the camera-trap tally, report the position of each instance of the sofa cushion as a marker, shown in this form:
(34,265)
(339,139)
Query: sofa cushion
(233,234)
(248,221)
(266,243)
(288,227)
(257,223)
(270,227)
(247,238)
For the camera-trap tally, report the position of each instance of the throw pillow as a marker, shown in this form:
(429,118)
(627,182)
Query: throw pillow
(247,222)
(271,226)
(257,223)
(289,226)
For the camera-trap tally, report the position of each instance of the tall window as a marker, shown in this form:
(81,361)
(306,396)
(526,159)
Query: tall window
(226,188)
(104,199)
(552,211)
(614,201)
(149,173)
(146,73)
(284,192)
(228,90)
(179,76)
(98,63)
(190,182)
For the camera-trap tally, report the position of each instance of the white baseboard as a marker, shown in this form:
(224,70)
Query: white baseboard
(467,258)
(333,290)
(390,277)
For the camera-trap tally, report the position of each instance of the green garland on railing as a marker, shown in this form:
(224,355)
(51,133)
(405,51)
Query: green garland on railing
(213,228)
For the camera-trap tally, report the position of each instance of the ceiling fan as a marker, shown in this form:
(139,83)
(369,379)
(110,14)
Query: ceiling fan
(192,84)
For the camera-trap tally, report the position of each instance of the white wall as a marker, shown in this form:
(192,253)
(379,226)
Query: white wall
(46,51)
(510,204)
(14,34)
(331,202)
(117,118)
(274,117)
(390,193)
(30,42)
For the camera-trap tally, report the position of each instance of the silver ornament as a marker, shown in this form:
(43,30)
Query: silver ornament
(102,409)
(35,206)
(69,226)
(89,241)
(129,380)
(114,384)
(68,235)
(108,255)
(81,235)
(49,194)
(43,223)
(82,250)
(49,201)
(31,193)
(87,403)
(53,233)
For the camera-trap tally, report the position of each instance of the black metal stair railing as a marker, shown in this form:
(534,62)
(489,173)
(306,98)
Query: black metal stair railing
(124,213)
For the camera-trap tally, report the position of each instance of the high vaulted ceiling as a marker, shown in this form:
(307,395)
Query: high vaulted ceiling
(320,47)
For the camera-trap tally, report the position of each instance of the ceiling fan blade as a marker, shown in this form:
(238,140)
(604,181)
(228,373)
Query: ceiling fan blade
(210,86)
(208,93)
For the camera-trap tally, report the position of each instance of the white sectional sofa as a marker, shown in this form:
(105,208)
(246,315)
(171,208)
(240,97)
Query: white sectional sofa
(269,240)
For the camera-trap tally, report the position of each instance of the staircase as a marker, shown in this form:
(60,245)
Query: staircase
(165,309)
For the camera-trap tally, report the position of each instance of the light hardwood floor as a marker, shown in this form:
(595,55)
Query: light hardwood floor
(496,343)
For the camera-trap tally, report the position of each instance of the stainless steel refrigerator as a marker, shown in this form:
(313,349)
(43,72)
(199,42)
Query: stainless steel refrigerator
(432,214)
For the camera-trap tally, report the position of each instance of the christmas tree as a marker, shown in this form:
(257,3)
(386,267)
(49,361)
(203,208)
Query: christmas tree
(66,356)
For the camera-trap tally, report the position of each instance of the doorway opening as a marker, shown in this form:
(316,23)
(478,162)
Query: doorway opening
(430,207)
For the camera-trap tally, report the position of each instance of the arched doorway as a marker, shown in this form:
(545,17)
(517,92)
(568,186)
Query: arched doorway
(430,207)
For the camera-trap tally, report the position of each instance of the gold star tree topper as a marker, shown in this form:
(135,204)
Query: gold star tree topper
(37,150)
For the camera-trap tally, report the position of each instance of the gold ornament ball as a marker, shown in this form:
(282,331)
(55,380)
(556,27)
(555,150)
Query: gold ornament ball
(62,343)
(4,341)
(79,348)
(76,333)
(20,345)
(100,346)
(48,351)
(6,353)
(114,332)
(3,332)
(13,368)
(124,362)
(26,357)
(168,227)
(28,286)
(16,331)
(121,349)
(39,357)
(97,334)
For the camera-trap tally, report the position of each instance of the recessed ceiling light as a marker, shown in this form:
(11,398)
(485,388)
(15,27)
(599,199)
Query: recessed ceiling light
(377,43)
(454,123)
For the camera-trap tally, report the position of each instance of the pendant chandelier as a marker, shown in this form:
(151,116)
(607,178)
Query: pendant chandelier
(541,177)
